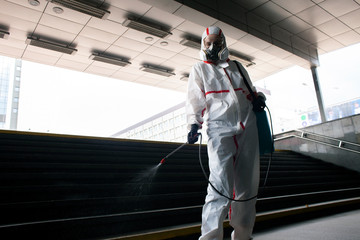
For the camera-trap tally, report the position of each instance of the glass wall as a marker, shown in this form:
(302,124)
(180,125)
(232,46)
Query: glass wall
(339,76)
(291,95)
(291,99)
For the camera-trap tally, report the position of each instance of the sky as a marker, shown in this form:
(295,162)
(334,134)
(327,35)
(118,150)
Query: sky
(63,101)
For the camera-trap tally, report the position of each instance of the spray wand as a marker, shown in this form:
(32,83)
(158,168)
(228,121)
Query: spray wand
(177,149)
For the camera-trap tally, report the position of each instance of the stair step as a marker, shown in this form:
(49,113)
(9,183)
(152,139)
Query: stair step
(78,188)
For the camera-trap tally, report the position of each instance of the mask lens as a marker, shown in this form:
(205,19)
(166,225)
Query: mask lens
(212,52)
(213,45)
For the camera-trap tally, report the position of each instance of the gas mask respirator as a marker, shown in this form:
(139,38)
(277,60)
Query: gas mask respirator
(212,53)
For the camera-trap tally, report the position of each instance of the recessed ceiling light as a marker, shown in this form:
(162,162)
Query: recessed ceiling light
(164,43)
(34,3)
(157,70)
(110,59)
(149,39)
(4,34)
(59,47)
(184,77)
(146,27)
(83,7)
(58,10)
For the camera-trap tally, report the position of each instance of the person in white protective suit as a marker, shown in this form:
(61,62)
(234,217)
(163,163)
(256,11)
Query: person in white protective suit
(218,94)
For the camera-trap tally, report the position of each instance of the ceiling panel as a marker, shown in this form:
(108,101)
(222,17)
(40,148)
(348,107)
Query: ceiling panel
(294,24)
(20,11)
(294,6)
(145,58)
(263,56)
(107,26)
(60,23)
(56,35)
(251,4)
(14,43)
(283,29)
(338,8)
(71,64)
(43,51)
(26,4)
(231,10)
(124,75)
(131,6)
(148,80)
(122,52)
(140,36)
(159,52)
(36,56)
(231,32)
(77,58)
(258,23)
(351,19)
(100,70)
(329,45)
(68,14)
(191,28)
(333,27)
(243,48)
(117,15)
(276,51)
(95,33)
(357,30)
(255,42)
(169,45)
(184,60)
(315,15)
(281,34)
(177,35)
(313,35)
(131,44)
(272,12)
(10,51)
(84,43)
(348,38)
(108,66)
(158,15)
(10,22)
(194,16)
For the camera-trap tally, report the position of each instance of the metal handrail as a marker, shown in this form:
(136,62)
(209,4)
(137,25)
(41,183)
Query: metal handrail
(340,144)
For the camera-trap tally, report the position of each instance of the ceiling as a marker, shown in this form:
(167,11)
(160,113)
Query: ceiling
(274,34)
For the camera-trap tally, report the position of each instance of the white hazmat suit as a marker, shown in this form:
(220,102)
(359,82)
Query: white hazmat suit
(218,94)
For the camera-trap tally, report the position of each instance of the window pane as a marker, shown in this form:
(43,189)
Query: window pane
(339,75)
(291,99)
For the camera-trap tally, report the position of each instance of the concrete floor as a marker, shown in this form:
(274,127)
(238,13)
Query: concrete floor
(341,226)
(332,225)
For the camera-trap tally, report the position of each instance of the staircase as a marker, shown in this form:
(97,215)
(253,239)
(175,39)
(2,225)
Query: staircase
(68,187)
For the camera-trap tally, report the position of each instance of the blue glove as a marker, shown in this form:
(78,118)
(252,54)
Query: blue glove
(193,134)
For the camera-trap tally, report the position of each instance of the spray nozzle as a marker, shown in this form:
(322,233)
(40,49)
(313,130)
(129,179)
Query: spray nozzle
(181,146)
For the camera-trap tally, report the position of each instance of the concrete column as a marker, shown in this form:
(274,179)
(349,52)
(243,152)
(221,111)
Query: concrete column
(318,93)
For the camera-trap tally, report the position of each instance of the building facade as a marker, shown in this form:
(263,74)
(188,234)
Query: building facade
(167,126)
(10,77)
